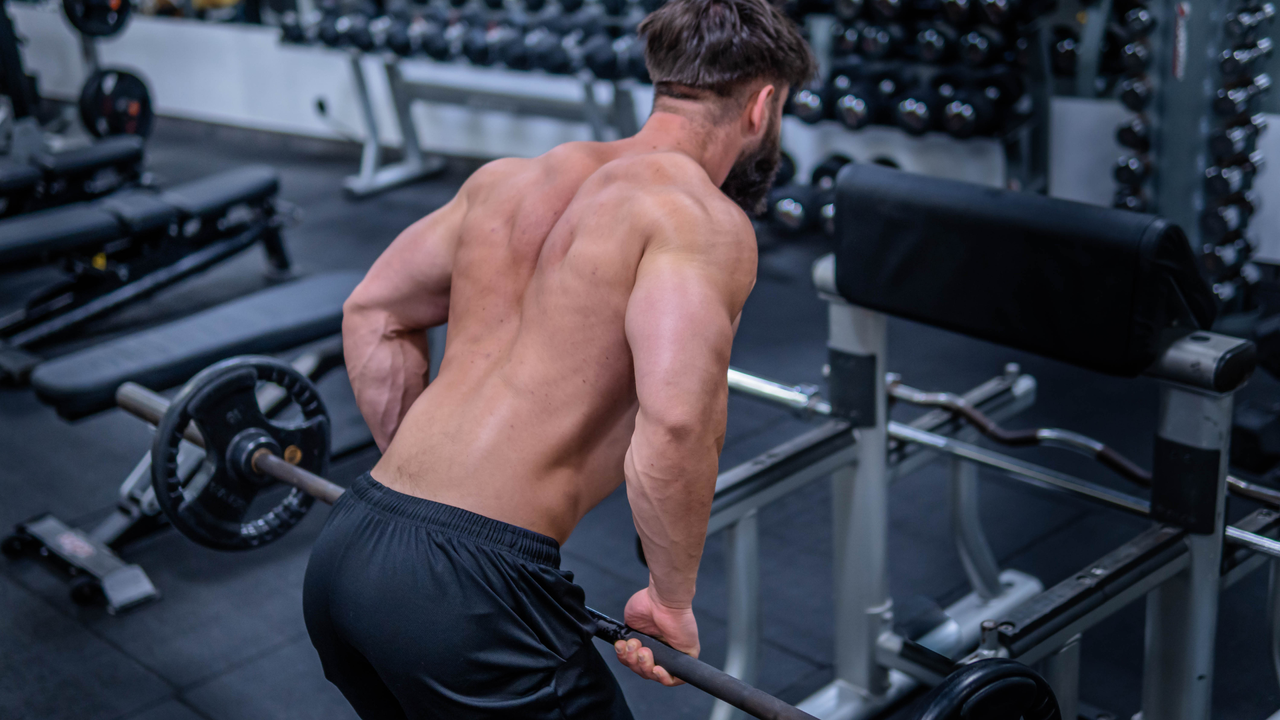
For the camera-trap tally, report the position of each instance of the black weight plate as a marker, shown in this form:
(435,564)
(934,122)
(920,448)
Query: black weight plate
(116,102)
(98,18)
(213,509)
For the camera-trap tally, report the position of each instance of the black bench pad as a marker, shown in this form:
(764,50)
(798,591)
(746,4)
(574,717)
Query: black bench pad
(108,152)
(216,194)
(140,211)
(55,230)
(17,177)
(268,321)
(1097,287)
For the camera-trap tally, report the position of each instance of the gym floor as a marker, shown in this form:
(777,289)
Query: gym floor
(227,640)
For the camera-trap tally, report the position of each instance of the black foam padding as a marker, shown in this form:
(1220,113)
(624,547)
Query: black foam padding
(109,152)
(56,230)
(140,211)
(17,177)
(267,321)
(1093,286)
(215,194)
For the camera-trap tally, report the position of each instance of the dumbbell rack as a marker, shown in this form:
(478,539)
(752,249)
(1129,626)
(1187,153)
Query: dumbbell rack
(375,177)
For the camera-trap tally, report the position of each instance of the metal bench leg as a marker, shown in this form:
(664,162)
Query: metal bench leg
(966,524)
(1062,671)
(742,656)
(1182,614)
(416,165)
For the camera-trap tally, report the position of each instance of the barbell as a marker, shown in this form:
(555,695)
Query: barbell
(246,452)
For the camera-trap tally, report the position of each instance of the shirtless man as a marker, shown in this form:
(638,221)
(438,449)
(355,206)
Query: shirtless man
(592,295)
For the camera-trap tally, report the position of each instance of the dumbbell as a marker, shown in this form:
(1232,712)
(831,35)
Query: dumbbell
(936,41)
(615,8)
(864,101)
(824,174)
(881,40)
(600,56)
(1240,61)
(482,45)
(405,38)
(1002,12)
(1064,53)
(1132,170)
(807,103)
(982,46)
(957,12)
(917,110)
(1138,23)
(845,39)
(847,10)
(1135,57)
(1219,221)
(1240,100)
(1129,198)
(291,29)
(1237,139)
(1245,25)
(977,108)
(1135,93)
(1134,135)
(797,208)
(1225,180)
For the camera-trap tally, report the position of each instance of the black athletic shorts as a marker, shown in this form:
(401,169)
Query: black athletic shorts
(423,610)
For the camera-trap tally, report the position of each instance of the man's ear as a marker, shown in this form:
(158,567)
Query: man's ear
(759,109)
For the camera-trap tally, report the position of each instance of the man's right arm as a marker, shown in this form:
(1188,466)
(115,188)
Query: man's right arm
(689,290)
(384,320)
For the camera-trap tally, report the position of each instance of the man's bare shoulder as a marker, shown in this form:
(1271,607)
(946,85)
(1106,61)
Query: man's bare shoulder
(672,195)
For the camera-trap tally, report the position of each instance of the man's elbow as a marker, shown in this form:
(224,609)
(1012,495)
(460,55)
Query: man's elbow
(682,427)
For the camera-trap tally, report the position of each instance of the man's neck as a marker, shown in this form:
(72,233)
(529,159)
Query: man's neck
(712,148)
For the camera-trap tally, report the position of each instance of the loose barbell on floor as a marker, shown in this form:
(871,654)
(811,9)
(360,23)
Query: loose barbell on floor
(245,452)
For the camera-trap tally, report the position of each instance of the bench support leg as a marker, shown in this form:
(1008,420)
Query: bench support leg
(742,656)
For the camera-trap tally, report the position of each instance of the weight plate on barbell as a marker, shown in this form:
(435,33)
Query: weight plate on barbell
(217,508)
(116,102)
(98,18)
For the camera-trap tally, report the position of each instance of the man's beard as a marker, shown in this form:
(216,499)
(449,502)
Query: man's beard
(752,173)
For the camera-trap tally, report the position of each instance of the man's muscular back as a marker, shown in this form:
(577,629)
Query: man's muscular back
(548,271)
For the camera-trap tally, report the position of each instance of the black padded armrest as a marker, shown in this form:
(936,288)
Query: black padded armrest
(268,321)
(56,230)
(215,194)
(1097,287)
(17,177)
(112,151)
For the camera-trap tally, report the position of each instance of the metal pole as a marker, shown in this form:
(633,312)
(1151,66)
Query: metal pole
(860,501)
(966,526)
(1182,614)
(1062,671)
(742,658)
(371,153)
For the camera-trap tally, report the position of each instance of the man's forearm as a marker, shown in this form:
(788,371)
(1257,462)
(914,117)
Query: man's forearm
(388,370)
(670,485)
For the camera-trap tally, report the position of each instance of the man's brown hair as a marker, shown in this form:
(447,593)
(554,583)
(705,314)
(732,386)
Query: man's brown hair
(720,45)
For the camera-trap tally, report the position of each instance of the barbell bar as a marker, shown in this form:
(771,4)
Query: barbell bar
(152,407)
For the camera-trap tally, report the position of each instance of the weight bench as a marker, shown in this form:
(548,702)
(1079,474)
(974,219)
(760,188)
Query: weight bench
(47,179)
(125,247)
(302,315)
(1112,291)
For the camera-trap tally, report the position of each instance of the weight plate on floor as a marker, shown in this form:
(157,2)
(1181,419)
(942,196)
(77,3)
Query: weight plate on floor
(116,102)
(98,18)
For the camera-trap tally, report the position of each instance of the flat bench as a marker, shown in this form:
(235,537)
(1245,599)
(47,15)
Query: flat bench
(268,321)
(125,247)
(55,178)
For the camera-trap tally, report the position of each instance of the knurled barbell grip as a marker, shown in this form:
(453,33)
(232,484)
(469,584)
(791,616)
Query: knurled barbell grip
(151,407)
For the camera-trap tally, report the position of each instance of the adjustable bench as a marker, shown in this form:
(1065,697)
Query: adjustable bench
(47,178)
(302,315)
(127,246)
